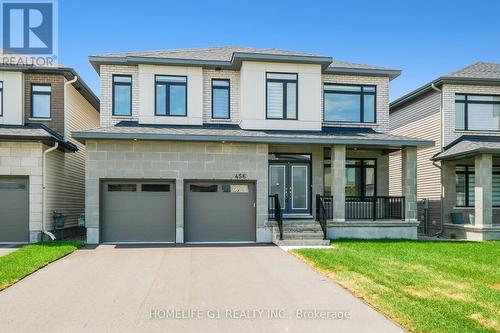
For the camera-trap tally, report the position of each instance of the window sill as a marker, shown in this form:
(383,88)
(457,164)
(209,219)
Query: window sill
(345,123)
(40,119)
(477,132)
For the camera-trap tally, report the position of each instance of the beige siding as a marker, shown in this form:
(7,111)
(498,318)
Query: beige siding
(66,171)
(422,120)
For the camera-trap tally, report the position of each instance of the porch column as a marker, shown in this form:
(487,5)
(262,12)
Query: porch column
(483,190)
(448,168)
(409,182)
(338,182)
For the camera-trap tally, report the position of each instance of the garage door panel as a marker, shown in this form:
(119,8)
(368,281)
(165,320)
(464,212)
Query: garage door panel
(218,216)
(130,214)
(14,218)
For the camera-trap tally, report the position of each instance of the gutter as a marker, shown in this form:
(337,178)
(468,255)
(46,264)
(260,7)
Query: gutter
(44,192)
(441,206)
(66,105)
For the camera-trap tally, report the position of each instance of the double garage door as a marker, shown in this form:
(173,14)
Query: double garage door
(142,211)
(14,210)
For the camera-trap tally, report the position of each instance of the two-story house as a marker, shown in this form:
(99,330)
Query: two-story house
(460,176)
(42,169)
(235,144)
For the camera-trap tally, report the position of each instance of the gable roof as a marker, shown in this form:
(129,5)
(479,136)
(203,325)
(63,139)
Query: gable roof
(479,73)
(230,57)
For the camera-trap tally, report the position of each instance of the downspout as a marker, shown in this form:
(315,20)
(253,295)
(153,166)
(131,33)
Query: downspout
(441,206)
(66,104)
(44,185)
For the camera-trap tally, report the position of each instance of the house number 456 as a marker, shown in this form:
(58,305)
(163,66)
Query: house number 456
(240,176)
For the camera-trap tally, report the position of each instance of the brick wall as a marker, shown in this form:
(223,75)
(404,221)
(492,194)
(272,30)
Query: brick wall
(56,122)
(234,77)
(106,73)
(449,91)
(382,99)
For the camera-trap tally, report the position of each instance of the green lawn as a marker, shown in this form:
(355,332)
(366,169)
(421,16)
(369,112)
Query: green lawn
(29,258)
(425,286)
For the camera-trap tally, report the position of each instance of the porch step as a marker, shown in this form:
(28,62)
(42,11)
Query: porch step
(300,233)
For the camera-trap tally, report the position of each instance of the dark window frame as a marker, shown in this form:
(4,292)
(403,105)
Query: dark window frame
(228,88)
(361,94)
(41,93)
(468,173)
(167,95)
(285,104)
(466,103)
(113,93)
(362,167)
(1,98)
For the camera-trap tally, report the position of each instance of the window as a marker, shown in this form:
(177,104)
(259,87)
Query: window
(171,96)
(345,103)
(155,188)
(220,99)
(122,187)
(466,181)
(203,188)
(236,188)
(40,101)
(122,95)
(477,112)
(1,98)
(281,96)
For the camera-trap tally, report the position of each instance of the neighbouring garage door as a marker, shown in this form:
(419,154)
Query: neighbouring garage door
(14,210)
(219,212)
(138,211)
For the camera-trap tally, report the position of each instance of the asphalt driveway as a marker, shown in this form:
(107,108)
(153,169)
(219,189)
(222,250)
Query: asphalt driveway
(183,289)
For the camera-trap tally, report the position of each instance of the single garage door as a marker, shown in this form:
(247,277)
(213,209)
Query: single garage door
(219,212)
(138,211)
(14,210)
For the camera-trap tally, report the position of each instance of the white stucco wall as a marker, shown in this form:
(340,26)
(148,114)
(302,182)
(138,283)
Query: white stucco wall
(12,98)
(253,96)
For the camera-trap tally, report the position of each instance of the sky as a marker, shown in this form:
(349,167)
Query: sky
(425,39)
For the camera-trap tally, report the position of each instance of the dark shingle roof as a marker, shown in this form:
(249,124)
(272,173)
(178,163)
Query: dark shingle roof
(34,132)
(233,133)
(468,145)
(478,70)
(228,56)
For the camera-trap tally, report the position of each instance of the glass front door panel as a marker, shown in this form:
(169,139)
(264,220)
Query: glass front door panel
(299,190)
(277,185)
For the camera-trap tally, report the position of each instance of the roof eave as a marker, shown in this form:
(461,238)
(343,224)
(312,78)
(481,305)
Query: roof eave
(391,73)
(83,136)
(466,154)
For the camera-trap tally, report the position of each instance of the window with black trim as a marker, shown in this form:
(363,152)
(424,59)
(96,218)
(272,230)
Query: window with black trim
(281,96)
(220,99)
(477,112)
(122,95)
(349,103)
(1,98)
(202,188)
(466,181)
(155,188)
(360,178)
(171,95)
(40,100)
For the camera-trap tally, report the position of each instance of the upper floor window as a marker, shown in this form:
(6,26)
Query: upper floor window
(477,112)
(281,96)
(122,95)
(349,103)
(40,100)
(220,99)
(171,95)
(1,98)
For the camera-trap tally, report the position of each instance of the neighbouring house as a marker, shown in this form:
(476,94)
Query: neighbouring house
(460,176)
(42,169)
(236,144)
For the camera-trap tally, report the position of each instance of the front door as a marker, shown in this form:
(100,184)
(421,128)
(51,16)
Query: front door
(290,180)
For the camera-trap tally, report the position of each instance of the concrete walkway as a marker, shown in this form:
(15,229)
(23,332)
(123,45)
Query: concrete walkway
(8,248)
(183,289)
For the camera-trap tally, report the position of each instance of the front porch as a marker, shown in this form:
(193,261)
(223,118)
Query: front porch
(342,190)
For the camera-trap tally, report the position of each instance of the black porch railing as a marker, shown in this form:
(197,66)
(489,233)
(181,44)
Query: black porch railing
(321,212)
(275,212)
(374,208)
